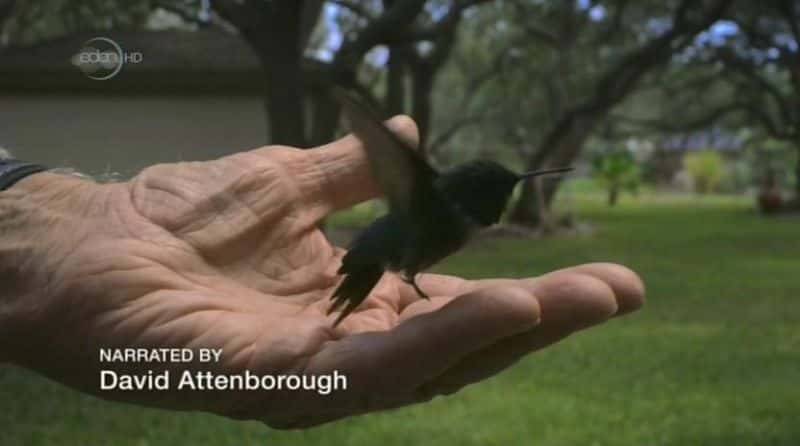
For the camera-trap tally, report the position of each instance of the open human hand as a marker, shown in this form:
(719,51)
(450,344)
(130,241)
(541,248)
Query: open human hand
(227,254)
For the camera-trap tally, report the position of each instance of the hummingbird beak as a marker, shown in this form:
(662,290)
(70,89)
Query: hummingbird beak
(536,173)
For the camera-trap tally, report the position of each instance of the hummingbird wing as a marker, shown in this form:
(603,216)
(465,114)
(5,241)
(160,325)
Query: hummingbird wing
(403,175)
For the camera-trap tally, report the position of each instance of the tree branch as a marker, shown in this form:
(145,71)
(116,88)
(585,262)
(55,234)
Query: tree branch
(750,71)
(789,9)
(769,124)
(242,15)
(614,24)
(444,137)
(442,26)
(311,12)
(355,8)
(378,31)
(6,7)
(669,126)
(183,13)
(542,35)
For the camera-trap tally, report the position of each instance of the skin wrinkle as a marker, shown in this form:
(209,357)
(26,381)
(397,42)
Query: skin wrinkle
(122,219)
(12,251)
(282,261)
(320,177)
(242,356)
(191,249)
(278,175)
(333,169)
(257,228)
(224,213)
(298,257)
(111,320)
(193,300)
(311,348)
(50,285)
(307,270)
(373,319)
(85,271)
(282,274)
(304,172)
(69,190)
(289,268)
(127,275)
(220,206)
(210,318)
(145,219)
(273,176)
(126,329)
(242,194)
(137,227)
(145,194)
(158,321)
(249,261)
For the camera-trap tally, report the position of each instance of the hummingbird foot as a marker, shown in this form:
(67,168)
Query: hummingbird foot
(412,281)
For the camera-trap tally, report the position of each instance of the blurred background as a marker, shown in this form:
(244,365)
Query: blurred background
(681,116)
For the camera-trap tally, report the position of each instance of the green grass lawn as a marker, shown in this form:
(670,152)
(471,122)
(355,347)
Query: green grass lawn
(712,359)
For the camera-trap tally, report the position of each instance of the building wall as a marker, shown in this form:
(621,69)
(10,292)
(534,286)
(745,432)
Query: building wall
(125,134)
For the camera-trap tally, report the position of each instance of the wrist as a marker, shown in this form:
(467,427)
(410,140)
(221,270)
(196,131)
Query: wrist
(32,242)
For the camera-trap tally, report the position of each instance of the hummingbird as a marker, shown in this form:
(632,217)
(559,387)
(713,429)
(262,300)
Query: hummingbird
(431,214)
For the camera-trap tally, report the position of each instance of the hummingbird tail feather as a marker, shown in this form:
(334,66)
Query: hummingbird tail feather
(347,310)
(353,290)
(338,301)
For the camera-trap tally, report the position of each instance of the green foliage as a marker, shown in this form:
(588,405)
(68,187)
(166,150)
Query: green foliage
(765,154)
(617,171)
(706,168)
(33,21)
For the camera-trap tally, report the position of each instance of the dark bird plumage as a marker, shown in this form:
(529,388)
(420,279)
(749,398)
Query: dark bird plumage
(431,216)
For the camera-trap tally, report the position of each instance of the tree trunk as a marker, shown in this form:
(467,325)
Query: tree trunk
(324,117)
(613,194)
(561,147)
(529,209)
(422,90)
(280,47)
(396,80)
(797,179)
(284,105)
(6,8)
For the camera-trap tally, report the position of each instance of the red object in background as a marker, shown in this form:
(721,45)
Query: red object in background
(769,196)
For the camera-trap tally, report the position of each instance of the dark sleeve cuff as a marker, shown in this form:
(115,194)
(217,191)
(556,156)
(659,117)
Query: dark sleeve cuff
(12,171)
